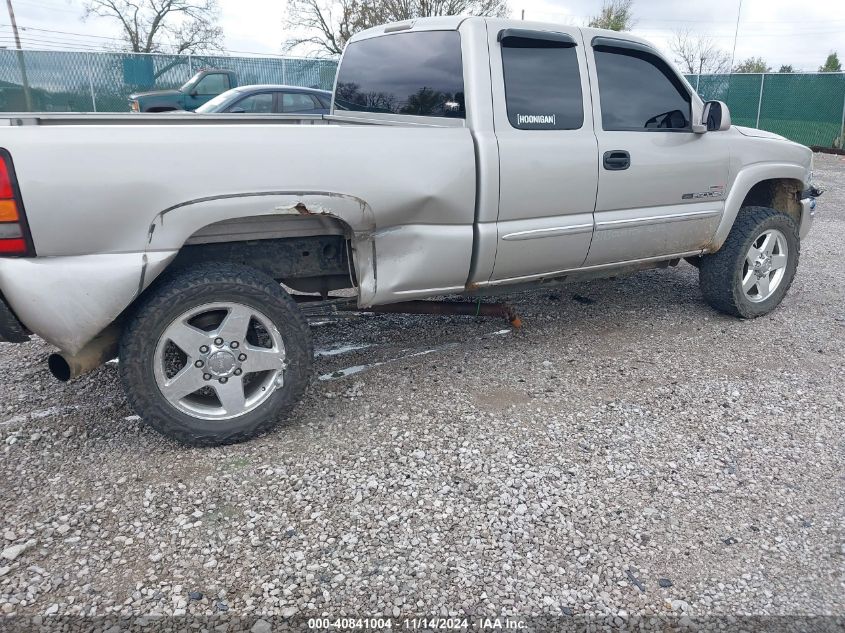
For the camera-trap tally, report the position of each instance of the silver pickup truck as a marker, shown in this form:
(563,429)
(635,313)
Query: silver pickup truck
(461,156)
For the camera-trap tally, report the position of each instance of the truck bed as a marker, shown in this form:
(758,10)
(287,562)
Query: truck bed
(123,193)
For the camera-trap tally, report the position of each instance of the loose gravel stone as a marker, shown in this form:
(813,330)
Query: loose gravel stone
(13,551)
(621,437)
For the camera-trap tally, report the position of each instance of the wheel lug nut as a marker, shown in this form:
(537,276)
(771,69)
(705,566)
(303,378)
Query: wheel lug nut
(242,357)
(239,371)
(199,363)
(218,341)
(206,376)
(204,349)
(224,380)
(234,345)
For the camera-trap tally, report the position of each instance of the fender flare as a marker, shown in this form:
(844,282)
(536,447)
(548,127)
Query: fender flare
(742,184)
(170,228)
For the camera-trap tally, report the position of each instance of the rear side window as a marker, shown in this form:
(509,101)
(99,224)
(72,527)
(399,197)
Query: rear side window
(542,84)
(261,103)
(404,73)
(297,102)
(638,91)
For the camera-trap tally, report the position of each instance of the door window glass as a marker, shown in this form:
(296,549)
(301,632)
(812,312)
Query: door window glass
(213,84)
(639,91)
(542,84)
(255,104)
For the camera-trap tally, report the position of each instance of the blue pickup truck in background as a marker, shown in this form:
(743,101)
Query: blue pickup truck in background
(199,89)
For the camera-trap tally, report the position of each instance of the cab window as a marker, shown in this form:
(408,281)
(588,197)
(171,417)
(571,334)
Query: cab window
(403,73)
(213,84)
(542,84)
(638,91)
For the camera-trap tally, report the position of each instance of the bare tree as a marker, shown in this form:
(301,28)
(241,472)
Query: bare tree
(327,25)
(698,55)
(616,15)
(173,26)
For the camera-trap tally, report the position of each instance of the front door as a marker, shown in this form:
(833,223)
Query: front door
(211,85)
(661,186)
(547,151)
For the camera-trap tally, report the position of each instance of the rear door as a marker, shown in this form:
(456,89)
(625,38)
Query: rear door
(547,150)
(661,186)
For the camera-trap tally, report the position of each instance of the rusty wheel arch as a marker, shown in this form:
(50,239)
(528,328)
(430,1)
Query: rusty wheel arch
(781,194)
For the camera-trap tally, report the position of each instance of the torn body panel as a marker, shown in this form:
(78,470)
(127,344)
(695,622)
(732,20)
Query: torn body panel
(69,300)
(183,223)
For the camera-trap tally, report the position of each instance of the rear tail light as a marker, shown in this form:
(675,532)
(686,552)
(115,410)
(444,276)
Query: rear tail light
(15,239)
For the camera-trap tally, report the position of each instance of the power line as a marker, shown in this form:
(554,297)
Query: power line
(789,22)
(99,37)
(49,38)
(40,5)
(57,45)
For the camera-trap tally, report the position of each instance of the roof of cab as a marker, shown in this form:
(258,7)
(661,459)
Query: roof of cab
(453,22)
(439,23)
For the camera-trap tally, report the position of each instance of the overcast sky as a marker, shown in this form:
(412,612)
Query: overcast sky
(780,31)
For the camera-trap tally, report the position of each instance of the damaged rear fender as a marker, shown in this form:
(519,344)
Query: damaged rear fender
(172,227)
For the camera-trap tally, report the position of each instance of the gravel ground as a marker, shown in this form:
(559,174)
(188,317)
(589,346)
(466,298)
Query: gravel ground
(630,451)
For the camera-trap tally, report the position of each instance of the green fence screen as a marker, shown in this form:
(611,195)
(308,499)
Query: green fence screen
(806,107)
(62,81)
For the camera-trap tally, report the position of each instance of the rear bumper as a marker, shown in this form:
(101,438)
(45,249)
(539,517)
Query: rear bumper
(11,330)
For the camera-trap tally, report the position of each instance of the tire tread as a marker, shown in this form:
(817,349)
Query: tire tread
(716,271)
(180,289)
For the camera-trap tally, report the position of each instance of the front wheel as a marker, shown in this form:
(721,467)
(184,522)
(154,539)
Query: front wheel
(215,355)
(749,276)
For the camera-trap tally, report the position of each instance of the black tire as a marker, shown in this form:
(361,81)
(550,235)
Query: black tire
(720,274)
(196,286)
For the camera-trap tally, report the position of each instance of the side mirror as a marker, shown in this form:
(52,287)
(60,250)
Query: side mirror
(716,117)
(194,92)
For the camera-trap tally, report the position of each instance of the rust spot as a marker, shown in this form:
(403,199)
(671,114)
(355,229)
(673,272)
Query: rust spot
(472,286)
(302,209)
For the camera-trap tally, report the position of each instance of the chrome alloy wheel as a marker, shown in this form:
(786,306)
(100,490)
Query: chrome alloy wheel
(765,265)
(219,361)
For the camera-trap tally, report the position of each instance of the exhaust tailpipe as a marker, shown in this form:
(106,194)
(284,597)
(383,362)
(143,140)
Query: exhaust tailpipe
(102,348)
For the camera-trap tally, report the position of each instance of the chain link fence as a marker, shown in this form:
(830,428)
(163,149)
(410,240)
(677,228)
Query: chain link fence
(64,81)
(808,108)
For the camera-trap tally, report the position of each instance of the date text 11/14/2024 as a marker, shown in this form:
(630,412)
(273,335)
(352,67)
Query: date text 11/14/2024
(434,623)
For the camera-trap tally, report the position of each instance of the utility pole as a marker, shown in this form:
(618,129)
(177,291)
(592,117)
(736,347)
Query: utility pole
(27,94)
(523,14)
(733,53)
(736,33)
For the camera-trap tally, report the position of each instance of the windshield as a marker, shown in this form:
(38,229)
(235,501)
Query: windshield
(215,104)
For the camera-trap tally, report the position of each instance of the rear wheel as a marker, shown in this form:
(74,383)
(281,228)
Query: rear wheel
(215,355)
(749,276)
